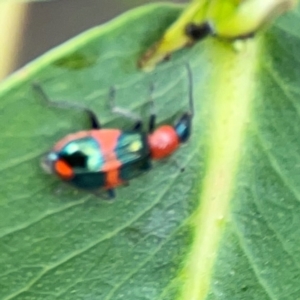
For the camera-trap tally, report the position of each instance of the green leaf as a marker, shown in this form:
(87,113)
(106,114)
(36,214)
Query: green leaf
(226,228)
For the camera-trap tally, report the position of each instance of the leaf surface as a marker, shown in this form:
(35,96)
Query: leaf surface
(226,228)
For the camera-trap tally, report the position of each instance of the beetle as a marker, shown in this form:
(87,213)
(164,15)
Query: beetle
(104,158)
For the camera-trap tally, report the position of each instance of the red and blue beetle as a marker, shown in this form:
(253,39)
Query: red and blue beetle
(104,158)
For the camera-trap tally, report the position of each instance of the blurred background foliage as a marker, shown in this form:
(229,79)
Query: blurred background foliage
(27,30)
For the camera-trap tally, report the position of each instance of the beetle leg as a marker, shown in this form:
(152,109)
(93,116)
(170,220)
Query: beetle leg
(123,111)
(111,194)
(106,195)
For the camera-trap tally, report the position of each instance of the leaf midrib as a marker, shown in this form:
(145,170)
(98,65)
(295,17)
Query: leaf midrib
(231,89)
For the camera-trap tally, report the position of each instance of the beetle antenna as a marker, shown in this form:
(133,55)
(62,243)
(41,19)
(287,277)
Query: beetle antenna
(94,122)
(126,113)
(152,119)
(190,88)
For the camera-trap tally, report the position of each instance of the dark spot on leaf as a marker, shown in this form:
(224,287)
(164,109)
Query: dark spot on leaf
(77,61)
(244,288)
(134,235)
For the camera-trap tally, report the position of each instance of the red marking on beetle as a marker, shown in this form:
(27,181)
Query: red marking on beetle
(108,140)
(163,142)
(63,169)
(112,176)
(69,138)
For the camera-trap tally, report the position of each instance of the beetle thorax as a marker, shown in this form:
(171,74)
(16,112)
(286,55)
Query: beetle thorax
(163,142)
